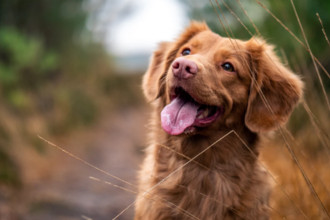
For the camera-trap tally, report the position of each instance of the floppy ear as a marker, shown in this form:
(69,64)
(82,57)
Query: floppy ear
(274,92)
(153,80)
(150,82)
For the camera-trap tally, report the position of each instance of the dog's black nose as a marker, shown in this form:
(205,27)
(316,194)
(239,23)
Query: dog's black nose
(183,68)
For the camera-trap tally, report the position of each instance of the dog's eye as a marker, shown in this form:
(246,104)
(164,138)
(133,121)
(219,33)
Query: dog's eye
(186,52)
(228,67)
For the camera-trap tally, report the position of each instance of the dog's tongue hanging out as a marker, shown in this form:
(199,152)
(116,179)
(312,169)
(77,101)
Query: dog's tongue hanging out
(177,116)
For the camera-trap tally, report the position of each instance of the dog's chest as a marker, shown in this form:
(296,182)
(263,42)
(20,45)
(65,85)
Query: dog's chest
(209,189)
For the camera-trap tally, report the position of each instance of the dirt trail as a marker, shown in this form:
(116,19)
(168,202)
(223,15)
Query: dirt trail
(59,187)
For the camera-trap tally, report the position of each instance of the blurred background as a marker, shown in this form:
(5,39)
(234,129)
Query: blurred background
(70,72)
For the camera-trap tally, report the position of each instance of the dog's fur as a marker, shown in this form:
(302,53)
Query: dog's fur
(226,181)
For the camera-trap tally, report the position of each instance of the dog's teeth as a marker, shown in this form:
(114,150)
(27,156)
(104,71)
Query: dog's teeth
(204,114)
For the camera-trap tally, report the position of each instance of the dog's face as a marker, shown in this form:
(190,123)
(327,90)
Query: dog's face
(206,81)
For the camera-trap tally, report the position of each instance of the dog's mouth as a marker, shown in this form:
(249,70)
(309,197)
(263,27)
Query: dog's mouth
(184,114)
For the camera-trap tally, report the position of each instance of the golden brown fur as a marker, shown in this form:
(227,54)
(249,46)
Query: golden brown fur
(225,182)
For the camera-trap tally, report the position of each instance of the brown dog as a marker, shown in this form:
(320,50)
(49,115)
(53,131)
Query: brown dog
(202,87)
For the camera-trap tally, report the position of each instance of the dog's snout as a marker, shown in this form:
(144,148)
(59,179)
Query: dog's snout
(183,68)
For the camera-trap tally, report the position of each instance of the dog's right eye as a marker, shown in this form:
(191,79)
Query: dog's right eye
(186,52)
(228,67)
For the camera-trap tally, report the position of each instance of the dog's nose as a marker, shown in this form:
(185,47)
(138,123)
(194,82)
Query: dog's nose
(183,68)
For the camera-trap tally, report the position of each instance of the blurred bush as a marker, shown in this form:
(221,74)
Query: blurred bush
(54,77)
(24,65)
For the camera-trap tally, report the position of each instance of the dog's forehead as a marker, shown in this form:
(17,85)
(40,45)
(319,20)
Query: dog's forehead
(205,38)
(211,40)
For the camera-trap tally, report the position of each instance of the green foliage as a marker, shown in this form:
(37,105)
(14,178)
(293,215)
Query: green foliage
(57,23)
(25,63)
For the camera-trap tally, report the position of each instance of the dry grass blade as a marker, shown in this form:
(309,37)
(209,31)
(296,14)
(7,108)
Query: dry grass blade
(112,184)
(323,30)
(246,14)
(319,131)
(284,57)
(233,42)
(310,165)
(310,52)
(293,35)
(295,159)
(85,162)
(322,135)
(234,14)
(86,218)
(124,210)
(223,26)
(307,180)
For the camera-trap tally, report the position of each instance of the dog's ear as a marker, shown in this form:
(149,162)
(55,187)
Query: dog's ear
(150,82)
(153,80)
(274,92)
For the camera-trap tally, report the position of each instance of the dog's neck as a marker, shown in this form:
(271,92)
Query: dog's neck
(221,148)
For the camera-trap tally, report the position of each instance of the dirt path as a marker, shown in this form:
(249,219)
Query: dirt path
(60,187)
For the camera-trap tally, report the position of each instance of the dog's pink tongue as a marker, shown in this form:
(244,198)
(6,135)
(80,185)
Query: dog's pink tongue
(178,115)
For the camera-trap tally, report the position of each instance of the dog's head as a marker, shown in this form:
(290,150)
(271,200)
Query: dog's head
(204,81)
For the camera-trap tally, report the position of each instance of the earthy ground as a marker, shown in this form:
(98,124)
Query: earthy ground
(61,187)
